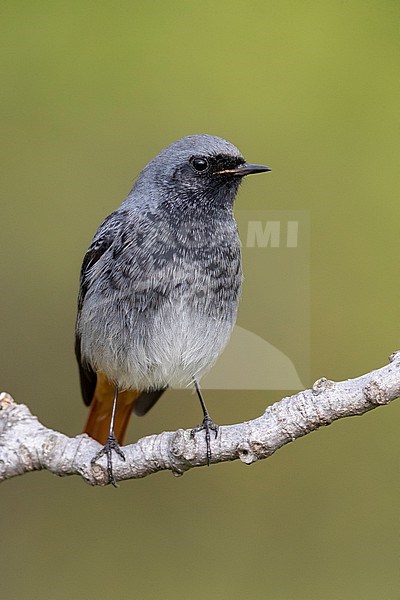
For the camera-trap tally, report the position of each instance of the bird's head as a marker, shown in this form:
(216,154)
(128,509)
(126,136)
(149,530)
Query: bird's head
(196,170)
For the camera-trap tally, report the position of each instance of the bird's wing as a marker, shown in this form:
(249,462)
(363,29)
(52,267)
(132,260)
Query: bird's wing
(97,390)
(101,243)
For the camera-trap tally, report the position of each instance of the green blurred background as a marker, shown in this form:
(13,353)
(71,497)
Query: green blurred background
(90,91)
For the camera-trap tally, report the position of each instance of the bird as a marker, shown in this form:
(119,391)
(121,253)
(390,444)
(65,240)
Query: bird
(159,287)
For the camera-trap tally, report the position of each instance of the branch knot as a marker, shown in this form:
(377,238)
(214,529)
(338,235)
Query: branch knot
(321,385)
(375,393)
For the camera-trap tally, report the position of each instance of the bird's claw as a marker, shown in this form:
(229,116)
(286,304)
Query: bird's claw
(110,445)
(207,425)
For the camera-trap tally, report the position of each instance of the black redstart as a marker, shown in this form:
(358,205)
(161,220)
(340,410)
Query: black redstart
(159,286)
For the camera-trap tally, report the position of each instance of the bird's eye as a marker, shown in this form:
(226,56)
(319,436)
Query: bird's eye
(199,164)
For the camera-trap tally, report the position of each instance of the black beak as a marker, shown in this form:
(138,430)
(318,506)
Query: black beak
(244,169)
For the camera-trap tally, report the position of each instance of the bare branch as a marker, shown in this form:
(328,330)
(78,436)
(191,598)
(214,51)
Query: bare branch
(26,445)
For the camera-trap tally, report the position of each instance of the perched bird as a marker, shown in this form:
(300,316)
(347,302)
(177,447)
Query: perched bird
(159,286)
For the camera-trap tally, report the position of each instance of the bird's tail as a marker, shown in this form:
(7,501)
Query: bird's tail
(98,422)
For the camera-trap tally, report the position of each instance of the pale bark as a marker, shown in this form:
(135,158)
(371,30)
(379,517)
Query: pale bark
(27,445)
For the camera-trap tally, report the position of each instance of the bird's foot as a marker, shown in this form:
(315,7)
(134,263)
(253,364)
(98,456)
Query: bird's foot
(110,445)
(207,425)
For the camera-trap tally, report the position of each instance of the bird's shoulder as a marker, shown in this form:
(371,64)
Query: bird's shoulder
(105,236)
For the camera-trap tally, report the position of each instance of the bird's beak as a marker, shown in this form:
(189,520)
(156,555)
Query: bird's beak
(245,169)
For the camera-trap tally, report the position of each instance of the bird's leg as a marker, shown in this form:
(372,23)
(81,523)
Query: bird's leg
(110,445)
(207,425)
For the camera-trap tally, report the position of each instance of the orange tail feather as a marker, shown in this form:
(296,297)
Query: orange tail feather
(98,422)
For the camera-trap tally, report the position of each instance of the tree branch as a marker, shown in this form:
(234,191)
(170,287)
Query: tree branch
(26,445)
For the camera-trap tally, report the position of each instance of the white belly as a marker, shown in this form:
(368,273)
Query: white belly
(176,347)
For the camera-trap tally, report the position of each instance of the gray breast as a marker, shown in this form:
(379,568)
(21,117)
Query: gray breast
(160,310)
